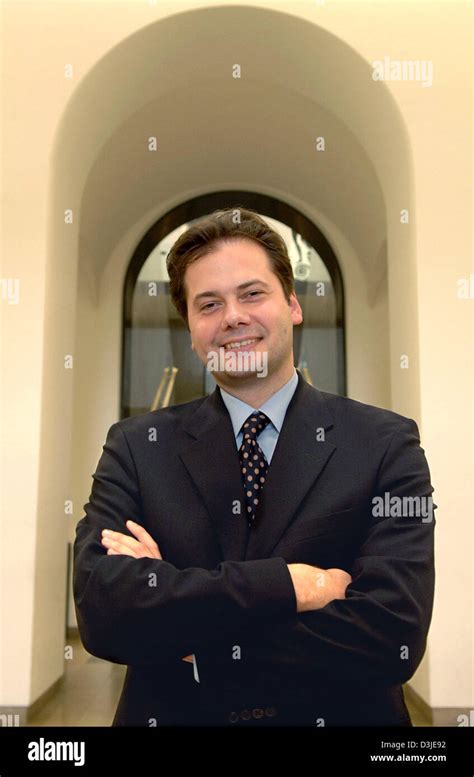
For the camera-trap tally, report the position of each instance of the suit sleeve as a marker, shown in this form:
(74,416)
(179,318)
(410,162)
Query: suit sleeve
(145,611)
(379,630)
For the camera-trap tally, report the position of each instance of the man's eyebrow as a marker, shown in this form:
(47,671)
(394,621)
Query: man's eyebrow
(240,287)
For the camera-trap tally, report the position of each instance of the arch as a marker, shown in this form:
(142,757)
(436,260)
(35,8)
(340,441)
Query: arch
(367,110)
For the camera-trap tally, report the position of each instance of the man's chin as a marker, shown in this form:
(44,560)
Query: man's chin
(237,374)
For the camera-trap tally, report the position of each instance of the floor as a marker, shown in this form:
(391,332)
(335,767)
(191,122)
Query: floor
(90,691)
(88,695)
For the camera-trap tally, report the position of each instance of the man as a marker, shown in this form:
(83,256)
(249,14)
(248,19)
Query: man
(278,567)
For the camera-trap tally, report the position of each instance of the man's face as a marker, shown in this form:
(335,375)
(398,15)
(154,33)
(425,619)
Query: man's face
(219,312)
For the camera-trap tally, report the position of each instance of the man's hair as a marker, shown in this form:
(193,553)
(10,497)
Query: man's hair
(221,226)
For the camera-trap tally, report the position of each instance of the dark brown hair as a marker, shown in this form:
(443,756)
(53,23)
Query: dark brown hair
(220,226)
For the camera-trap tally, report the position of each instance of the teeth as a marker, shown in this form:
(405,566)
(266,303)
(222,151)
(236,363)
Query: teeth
(240,345)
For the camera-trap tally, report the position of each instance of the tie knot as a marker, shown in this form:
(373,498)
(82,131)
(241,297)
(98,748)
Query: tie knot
(255,423)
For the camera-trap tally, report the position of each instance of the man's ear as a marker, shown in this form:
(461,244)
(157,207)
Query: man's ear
(295,309)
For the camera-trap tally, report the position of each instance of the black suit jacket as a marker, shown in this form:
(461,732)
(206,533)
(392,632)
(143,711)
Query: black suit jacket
(223,591)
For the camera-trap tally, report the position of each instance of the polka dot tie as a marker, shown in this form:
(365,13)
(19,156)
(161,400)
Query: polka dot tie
(253,463)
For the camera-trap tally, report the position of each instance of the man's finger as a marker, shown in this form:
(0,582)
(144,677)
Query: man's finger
(145,538)
(115,548)
(116,540)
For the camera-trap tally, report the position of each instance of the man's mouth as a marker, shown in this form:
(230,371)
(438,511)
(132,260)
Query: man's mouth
(242,345)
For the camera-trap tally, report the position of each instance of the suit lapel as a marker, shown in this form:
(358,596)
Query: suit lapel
(212,461)
(297,462)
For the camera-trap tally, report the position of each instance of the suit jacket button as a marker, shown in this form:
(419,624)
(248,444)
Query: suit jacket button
(233,717)
(270,712)
(245,715)
(257,713)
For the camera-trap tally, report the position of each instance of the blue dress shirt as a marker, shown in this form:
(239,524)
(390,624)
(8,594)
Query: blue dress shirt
(275,408)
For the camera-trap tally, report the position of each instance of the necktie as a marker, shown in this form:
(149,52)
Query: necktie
(253,463)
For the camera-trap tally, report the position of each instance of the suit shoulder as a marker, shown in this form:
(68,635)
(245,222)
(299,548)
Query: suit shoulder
(164,416)
(362,415)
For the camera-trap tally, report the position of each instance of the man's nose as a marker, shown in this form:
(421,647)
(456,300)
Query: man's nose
(234,315)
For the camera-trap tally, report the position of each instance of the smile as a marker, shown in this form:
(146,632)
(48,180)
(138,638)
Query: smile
(242,344)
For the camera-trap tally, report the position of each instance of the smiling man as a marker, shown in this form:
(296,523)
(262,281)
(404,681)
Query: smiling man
(256,584)
(244,310)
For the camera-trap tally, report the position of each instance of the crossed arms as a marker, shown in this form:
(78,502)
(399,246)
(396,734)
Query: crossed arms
(314,587)
(138,609)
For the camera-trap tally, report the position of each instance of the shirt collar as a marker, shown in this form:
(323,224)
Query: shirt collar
(275,407)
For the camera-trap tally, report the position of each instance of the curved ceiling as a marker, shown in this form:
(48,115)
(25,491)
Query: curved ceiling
(173,80)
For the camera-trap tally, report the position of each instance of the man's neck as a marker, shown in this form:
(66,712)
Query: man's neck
(255,391)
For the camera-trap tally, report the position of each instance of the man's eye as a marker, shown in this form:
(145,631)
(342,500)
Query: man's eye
(208,304)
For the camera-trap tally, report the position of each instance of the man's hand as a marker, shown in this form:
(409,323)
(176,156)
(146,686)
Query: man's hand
(315,587)
(121,544)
